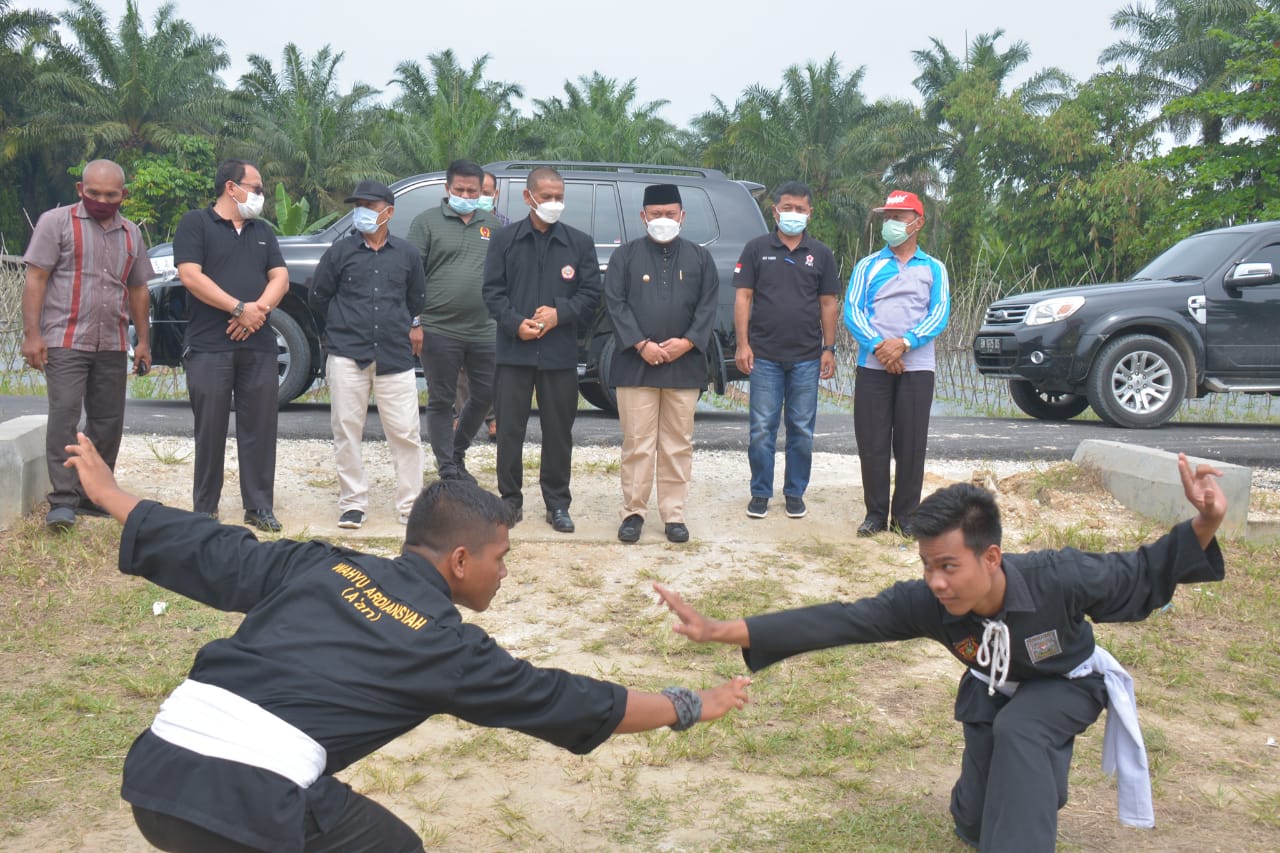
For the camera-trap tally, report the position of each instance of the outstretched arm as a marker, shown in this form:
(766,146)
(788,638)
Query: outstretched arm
(699,628)
(1203,493)
(97,480)
(647,711)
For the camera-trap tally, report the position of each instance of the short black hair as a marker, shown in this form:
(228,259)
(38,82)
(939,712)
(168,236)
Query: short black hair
(964,507)
(450,513)
(463,168)
(229,170)
(795,188)
(542,173)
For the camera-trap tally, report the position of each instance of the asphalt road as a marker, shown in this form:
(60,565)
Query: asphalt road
(1012,439)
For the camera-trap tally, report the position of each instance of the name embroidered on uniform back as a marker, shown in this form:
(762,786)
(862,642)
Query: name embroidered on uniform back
(1043,646)
(371,603)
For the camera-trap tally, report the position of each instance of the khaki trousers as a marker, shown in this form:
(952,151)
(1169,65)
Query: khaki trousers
(657,437)
(397,398)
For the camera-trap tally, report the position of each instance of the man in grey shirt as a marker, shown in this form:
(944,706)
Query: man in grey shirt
(458,333)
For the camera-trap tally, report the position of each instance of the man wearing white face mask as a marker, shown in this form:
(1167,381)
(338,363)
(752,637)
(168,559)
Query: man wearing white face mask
(784,312)
(660,292)
(458,333)
(369,288)
(541,278)
(897,303)
(231,264)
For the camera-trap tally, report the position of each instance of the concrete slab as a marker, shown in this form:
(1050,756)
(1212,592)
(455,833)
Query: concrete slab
(23,472)
(1146,481)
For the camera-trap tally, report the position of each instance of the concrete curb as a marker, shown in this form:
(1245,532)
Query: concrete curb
(1146,481)
(22,466)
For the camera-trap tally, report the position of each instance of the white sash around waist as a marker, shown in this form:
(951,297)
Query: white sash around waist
(217,723)
(1124,754)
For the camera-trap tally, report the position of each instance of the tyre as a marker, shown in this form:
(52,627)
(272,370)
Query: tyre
(1046,405)
(294,356)
(601,394)
(1137,382)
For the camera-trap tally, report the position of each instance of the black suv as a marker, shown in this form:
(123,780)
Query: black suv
(602,199)
(1200,318)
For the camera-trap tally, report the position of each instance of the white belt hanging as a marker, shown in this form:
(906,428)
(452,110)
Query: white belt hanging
(217,723)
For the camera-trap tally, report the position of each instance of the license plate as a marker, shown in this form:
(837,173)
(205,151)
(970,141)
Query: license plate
(987,345)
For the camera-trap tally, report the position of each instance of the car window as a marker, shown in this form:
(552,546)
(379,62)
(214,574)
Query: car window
(1195,256)
(1267,255)
(578,205)
(413,201)
(608,225)
(700,224)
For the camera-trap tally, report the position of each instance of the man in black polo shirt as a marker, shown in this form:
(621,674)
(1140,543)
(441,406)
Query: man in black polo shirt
(541,278)
(231,263)
(369,289)
(785,313)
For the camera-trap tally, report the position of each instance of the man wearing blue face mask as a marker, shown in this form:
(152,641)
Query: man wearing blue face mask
(897,303)
(369,288)
(784,313)
(459,334)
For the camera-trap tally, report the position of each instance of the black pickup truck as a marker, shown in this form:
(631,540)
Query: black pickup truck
(603,199)
(1202,317)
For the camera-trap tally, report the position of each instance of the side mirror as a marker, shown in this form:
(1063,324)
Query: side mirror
(1251,274)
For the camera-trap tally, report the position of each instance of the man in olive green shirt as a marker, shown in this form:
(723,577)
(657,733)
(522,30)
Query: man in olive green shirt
(457,331)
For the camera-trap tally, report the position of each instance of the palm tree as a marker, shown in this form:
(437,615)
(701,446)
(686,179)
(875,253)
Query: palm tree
(301,131)
(127,92)
(598,119)
(1175,54)
(446,112)
(24,183)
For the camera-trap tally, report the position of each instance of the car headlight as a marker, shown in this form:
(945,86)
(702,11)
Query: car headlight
(1053,310)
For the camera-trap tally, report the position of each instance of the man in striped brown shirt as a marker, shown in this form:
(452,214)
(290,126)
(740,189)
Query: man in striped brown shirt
(87,272)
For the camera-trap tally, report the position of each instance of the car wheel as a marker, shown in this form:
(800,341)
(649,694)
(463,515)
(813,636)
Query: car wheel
(1137,381)
(1046,405)
(294,356)
(601,394)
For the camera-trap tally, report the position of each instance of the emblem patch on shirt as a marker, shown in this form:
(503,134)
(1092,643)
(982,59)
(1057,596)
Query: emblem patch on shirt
(737,268)
(967,649)
(808,260)
(566,272)
(485,233)
(1043,646)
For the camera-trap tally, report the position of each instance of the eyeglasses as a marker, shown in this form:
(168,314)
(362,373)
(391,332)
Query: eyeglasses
(256,189)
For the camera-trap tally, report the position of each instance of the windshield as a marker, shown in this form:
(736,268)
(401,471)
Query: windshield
(1194,257)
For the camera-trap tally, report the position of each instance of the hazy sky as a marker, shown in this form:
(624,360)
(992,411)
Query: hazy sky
(680,52)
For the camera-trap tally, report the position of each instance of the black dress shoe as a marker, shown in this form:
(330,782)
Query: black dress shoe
(263,519)
(88,507)
(903,530)
(871,526)
(629,530)
(677,532)
(559,520)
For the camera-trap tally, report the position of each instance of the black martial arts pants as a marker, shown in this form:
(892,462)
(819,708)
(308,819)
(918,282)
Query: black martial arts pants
(363,827)
(252,378)
(891,416)
(1017,751)
(557,409)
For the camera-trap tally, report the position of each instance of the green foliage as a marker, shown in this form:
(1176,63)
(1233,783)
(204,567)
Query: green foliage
(293,217)
(162,187)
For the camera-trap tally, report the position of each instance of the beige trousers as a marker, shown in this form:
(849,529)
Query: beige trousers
(657,437)
(397,398)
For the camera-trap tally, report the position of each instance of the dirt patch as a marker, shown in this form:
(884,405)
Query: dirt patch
(875,723)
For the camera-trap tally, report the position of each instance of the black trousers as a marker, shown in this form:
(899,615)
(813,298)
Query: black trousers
(442,358)
(1013,777)
(891,418)
(94,382)
(557,409)
(213,380)
(362,826)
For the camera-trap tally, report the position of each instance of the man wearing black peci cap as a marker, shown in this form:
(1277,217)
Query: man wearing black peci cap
(660,292)
(369,287)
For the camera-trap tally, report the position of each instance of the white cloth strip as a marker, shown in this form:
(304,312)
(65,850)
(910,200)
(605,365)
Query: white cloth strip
(994,652)
(217,723)
(1124,753)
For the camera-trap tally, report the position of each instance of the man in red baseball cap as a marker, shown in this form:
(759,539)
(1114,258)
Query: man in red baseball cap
(898,301)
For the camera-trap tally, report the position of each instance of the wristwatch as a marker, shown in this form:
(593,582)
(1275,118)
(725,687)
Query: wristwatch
(906,343)
(831,348)
(417,323)
(238,310)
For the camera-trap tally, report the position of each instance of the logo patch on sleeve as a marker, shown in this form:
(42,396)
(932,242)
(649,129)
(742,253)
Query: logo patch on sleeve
(737,268)
(1043,646)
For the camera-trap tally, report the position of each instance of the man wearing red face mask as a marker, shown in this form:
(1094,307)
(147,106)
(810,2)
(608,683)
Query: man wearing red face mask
(87,272)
